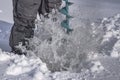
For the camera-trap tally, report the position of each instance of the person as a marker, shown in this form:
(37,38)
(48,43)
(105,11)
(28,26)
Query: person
(24,15)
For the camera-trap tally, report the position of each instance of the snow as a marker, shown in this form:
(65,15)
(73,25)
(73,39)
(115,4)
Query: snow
(111,28)
(21,65)
(111,34)
(4,57)
(116,50)
(35,68)
(97,67)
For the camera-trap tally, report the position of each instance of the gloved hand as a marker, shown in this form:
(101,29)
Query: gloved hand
(54,4)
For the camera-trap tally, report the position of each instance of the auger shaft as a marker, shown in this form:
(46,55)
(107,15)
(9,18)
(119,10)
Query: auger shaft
(65,11)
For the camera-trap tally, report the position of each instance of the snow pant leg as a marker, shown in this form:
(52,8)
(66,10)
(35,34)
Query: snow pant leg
(24,12)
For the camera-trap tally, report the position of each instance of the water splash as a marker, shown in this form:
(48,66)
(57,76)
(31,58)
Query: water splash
(61,51)
(72,52)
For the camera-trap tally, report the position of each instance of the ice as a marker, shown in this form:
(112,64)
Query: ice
(1,11)
(4,35)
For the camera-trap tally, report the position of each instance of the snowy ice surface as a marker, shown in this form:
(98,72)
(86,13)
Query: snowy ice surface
(0,30)
(91,52)
(17,65)
(0,11)
(20,67)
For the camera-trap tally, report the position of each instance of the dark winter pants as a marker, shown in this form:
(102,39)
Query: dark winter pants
(24,12)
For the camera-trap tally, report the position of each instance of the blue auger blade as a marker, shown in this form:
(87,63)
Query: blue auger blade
(65,0)
(69,30)
(64,11)
(68,16)
(65,24)
(69,3)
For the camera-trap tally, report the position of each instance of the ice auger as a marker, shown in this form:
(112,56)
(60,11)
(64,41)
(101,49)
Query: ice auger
(65,11)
